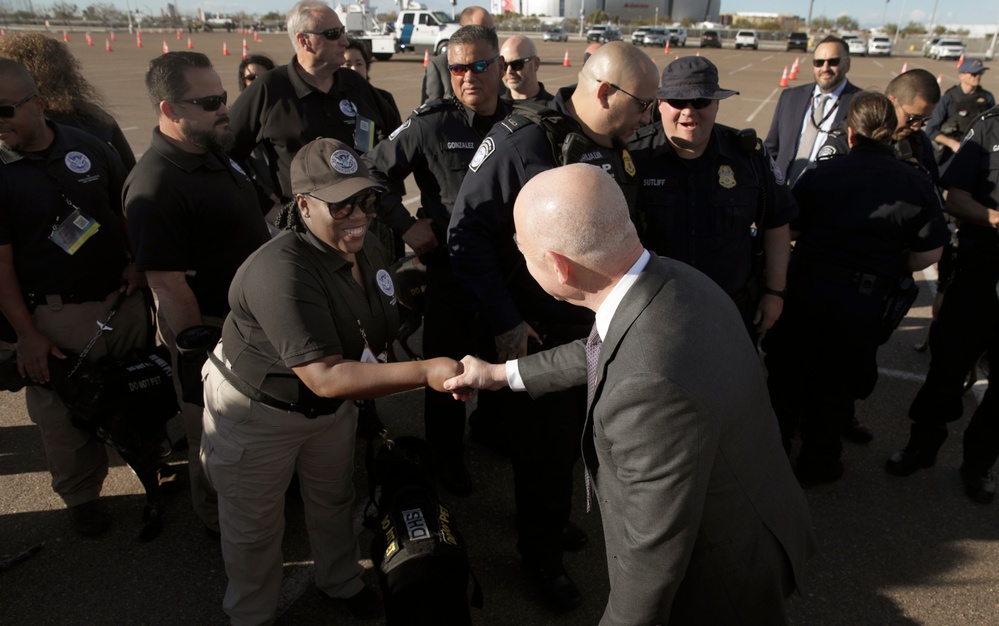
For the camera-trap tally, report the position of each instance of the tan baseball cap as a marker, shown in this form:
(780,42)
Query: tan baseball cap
(329,170)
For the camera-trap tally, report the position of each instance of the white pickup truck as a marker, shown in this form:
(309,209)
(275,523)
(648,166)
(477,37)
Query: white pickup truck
(419,29)
(363,26)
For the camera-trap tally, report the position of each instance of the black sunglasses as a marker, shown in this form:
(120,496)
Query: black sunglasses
(250,77)
(9,110)
(694,103)
(331,33)
(646,104)
(208,103)
(832,61)
(476,67)
(518,64)
(367,201)
(912,120)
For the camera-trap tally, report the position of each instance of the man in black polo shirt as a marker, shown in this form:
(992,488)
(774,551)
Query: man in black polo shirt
(181,195)
(63,258)
(291,105)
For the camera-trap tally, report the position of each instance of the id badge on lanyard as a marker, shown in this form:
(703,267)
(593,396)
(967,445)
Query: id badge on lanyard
(367,356)
(74,231)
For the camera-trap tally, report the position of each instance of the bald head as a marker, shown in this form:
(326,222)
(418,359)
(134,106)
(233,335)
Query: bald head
(612,89)
(521,73)
(476,15)
(580,212)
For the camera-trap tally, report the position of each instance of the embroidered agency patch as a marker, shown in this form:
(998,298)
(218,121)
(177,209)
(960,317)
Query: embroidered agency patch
(343,162)
(395,133)
(485,149)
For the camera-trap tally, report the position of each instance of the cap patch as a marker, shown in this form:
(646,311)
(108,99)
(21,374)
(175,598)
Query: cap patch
(343,162)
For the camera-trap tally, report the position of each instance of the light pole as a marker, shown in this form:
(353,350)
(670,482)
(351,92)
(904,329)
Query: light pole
(898,31)
(657,17)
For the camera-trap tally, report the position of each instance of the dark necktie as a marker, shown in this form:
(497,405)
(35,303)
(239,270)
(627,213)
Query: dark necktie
(593,343)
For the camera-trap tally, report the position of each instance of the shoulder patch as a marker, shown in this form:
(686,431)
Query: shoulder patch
(778,175)
(405,125)
(485,149)
(826,152)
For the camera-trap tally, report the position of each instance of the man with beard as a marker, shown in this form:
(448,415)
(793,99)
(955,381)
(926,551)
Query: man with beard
(182,194)
(63,261)
(806,114)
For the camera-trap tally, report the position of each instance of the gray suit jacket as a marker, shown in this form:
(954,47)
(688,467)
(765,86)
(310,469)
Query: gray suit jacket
(785,128)
(703,519)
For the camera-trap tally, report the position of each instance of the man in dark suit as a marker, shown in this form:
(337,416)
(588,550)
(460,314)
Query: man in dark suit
(703,521)
(807,113)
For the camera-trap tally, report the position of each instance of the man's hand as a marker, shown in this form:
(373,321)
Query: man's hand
(477,374)
(33,350)
(132,279)
(513,343)
(768,312)
(420,237)
(439,370)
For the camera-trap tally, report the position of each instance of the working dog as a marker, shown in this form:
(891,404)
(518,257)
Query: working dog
(132,422)
(417,550)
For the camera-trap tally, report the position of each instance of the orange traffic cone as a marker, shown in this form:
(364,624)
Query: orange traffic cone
(107,45)
(225,49)
(165,47)
(3,34)
(676,57)
(138,39)
(245,51)
(794,70)
(905,67)
(190,45)
(113,38)
(65,37)
(666,47)
(698,53)
(426,58)
(939,79)
(565,61)
(255,38)
(783,78)
(90,41)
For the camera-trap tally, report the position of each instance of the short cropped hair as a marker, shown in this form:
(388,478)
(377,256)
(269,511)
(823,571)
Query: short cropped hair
(905,88)
(166,77)
(838,41)
(473,34)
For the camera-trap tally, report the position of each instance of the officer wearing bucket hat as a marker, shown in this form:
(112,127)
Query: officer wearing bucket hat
(312,313)
(711,196)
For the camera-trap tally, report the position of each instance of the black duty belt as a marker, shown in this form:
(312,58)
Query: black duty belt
(251,392)
(865,283)
(33,300)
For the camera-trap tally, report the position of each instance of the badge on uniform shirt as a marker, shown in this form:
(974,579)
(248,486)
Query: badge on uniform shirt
(347,108)
(726,177)
(395,133)
(485,149)
(77,162)
(629,165)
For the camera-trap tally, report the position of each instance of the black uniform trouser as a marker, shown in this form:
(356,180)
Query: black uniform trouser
(448,330)
(821,358)
(544,436)
(967,326)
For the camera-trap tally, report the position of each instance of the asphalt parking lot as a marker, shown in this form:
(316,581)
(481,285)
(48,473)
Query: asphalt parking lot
(892,550)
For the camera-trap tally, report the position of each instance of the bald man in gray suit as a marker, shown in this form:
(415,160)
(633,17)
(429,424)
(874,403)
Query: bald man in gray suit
(703,519)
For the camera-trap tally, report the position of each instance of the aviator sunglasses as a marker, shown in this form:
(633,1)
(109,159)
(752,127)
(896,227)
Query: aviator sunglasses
(208,103)
(9,110)
(518,64)
(331,33)
(475,67)
(366,201)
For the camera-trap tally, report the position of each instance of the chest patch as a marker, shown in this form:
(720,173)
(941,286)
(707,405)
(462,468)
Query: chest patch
(77,162)
(385,283)
(726,177)
(347,108)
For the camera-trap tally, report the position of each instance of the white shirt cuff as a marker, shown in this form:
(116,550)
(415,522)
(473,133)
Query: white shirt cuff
(513,376)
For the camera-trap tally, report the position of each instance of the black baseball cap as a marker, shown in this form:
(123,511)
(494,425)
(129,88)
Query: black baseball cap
(692,77)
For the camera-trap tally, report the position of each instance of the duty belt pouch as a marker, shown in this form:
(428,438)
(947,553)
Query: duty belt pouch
(193,346)
(897,304)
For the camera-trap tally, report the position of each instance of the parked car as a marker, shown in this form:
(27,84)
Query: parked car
(603,34)
(711,39)
(678,36)
(797,41)
(928,45)
(747,39)
(656,37)
(947,49)
(555,34)
(855,44)
(879,45)
(638,35)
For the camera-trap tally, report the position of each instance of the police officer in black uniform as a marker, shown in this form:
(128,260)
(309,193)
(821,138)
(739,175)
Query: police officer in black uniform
(968,322)
(915,95)
(436,145)
(711,196)
(867,222)
(959,107)
(587,123)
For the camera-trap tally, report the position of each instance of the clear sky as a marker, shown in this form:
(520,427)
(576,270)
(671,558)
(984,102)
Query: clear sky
(868,13)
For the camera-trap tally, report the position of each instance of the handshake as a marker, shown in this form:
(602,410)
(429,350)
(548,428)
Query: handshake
(463,378)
